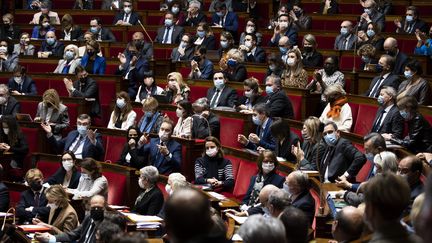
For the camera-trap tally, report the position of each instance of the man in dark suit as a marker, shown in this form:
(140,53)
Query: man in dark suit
(297,184)
(194,16)
(84,87)
(348,225)
(341,159)
(150,200)
(86,231)
(83,142)
(8,104)
(51,47)
(411,23)
(391,47)
(201,67)
(201,108)
(388,120)
(263,138)
(385,79)
(170,33)
(126,17)
(252,52)
(145,47)
(371,15)
(185,51)
(277,101)
(225,19)
(33,203)
(100,33)
(220,94)
(162,152)
(284,27)
(20,83)
(346,39)
(4,193)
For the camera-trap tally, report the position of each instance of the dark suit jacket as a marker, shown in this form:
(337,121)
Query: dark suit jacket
(418,24)
(209,42)
(230,24)
(377,18)
(227,98)
(133,18)
(79,233)
(27,200)
(314,60)
(259,56)
(305,203)
(189,53)
(239,74)
(345,157)
(136,75)
(136,160)
(88,90)
(280,105)
(28,86)
(256,100)
(106,35)
(339,42)
(393,122)
(284,150)
(421,91)
(89,150)
(76,33)
(12,107)
(99,64)
(419,138)
(391,80)
(176,36)
(401,60)
(167,166)
(58,177)
(272,178)
(267,141)
(334,7)
(291,33)
(151,203)
(57,49)
(4,197)
(201,17)
(10,34)
(19,149)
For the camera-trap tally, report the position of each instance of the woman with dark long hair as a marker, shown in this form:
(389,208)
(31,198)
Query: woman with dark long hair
(13,140)
(123,116)
(67,175)
(130,155)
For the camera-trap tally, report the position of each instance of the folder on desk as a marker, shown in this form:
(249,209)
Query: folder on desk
(137,218)
(31,228)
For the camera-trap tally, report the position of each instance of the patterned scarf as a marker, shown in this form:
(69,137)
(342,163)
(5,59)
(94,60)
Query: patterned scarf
(336,107)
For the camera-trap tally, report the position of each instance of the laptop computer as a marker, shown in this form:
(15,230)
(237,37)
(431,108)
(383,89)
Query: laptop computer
(162,99)
(24,117)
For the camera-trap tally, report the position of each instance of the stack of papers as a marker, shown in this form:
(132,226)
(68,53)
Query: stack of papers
(144,221)
(238,219)
(118,207)
(218,196)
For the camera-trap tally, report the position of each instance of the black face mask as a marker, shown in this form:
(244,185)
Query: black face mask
(90,53)
(97,214)
(391,53)
(83,79)
(135,138)
(35,185)
(329,70)
(197,58)
(307,49)
(139,44)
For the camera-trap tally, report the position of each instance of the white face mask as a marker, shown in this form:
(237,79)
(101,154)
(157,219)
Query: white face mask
(211,152)
(18,80)
(53,206)
(290,61)
(283,25)
(250,29)
(248,44)
(3,49)
(141,183)
(127,10)
(68,165)
(85,176)
(179,113)
(168,189)
(267,167)
(120,103)
(248,93)
(6,131)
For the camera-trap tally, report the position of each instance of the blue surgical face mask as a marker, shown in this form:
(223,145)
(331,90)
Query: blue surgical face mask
(148,114)
(368,11)
(408,74)
(269,90)
(168,22)
(283,50)
(370,33)
(366,59)
(219,83)
(381,100)
(330,139)
(266,211)
(404,114)
(344,31)
(50,41)
(201,34)
(409,18)
(224,44)
(220,14)
(256,120)
(94,30)
(370,157)
(231,63)
(82,130)
(175,10)
(69,55)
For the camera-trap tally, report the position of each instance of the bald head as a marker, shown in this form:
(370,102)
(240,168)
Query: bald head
(390,44)
(138,36)
(50,34)
(348,224)
(97,201)
(266,191)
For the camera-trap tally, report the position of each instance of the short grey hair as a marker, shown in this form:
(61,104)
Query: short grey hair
(387,160)
(276,80)
(301,178)
(5,88)
(390,91)
(279,199)
(258,229)
(334,89)
(72,47)
(202,103)
(196,3)
(150,173)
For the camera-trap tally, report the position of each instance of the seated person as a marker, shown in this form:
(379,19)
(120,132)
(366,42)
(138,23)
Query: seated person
(212,168)
(263,138)
(91,61)
(20,83)
(8,60)
(337,109)
(4,193)
(346,39)
(329,7)
(415,85)
(201,67)
(70,31)
(127,17)
(391,48)
(84,87)
(367,53)
(204,37)
(313,147)
(148,88)
(101,33)
(225,19)
(70,61)
(251,28)
(341,159)
(310,56)
(130,156)
(163,152)
(384,78)
(411,168)
(33,202)
(24,47)
(8,104)
(294,75)
(267,166)
(277,101)
(91,182)
(171,32)
(51,47)
(424,43)
(285,139)
(145,47)
(275,65)
(411,23)
(9,30)
(177,89)
(67,175)
(185,51)
(226,43)
(371,15)
(284,27)
(220,94)
(195,15)
(187,122)
(63,217)
(211,127)
(13,140)
(301,20)
(371,36)
(232,66)
(252,52)
(348,225)
(122,117)
(252,96)
(53,112)
(297,185)
(152,119)
(45,9)
(419,137)
(82,142)
(150,200)
(41,29)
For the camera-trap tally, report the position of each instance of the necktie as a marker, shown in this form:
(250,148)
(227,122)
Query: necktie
(166,35)
(213,101)
(345,44)
(159,159)
(125,19)
(36,199)
(89,234)
(75,148)
(326,161)
(375,88)
(377,124)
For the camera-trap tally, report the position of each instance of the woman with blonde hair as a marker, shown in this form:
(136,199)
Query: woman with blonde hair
(152,119)
(122,116)
(53,112)
(176,89)
(337,109)
(232,66)
(62,216)
(204,36)
(294,75)
(70,60)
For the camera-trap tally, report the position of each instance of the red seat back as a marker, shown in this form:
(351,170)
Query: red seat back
(232,127)
(48,168)
(197,92)
(296,102)
(245,171)
(364,119)
(354,112)
(116,188)
(317,200)
(114,147)
(28,107)
(162,188)
(235,164)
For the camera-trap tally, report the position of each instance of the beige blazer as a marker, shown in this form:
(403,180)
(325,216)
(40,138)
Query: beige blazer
(66,221)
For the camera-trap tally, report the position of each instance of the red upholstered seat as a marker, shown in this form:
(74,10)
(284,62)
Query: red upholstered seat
(296,102)
(317,200)
(162,188)
(364,172)
(354,112)
(148,5)
(296,131)
(29,107)
(235,164)
(14,197)
(114,147)
(325,42)
(185,71)
(32,138)
(428,118)
(48,168)
(364,119)
(347,63)
(35,67)
(245,171)
(197,92)
(260,75)
(172,115)
(107,92)
(116,188)
(231,127)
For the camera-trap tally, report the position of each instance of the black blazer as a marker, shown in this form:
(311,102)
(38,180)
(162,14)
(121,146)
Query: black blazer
(133,18)
(399,67)
(393,122)
(10,34)
(106,35)
(227,98)
(151,203)
(136,160)
(284,150)
(57,49)
(19,149)
(239,74)
(79,233)
(314,60)
(195,21)
(4,197)
(58,177)
(12,107)
(305,203)
(392,80)
(259,56)
(176,36)
(418,24)
(27,199)
(334,7)
(88,90)
(419,137)
(76,33)
(256,100)
(280,105)
(272,178)
(345,157)
(209,42)
(28,86)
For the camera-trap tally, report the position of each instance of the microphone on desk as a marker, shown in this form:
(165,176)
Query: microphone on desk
(148,36)
(9,228)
